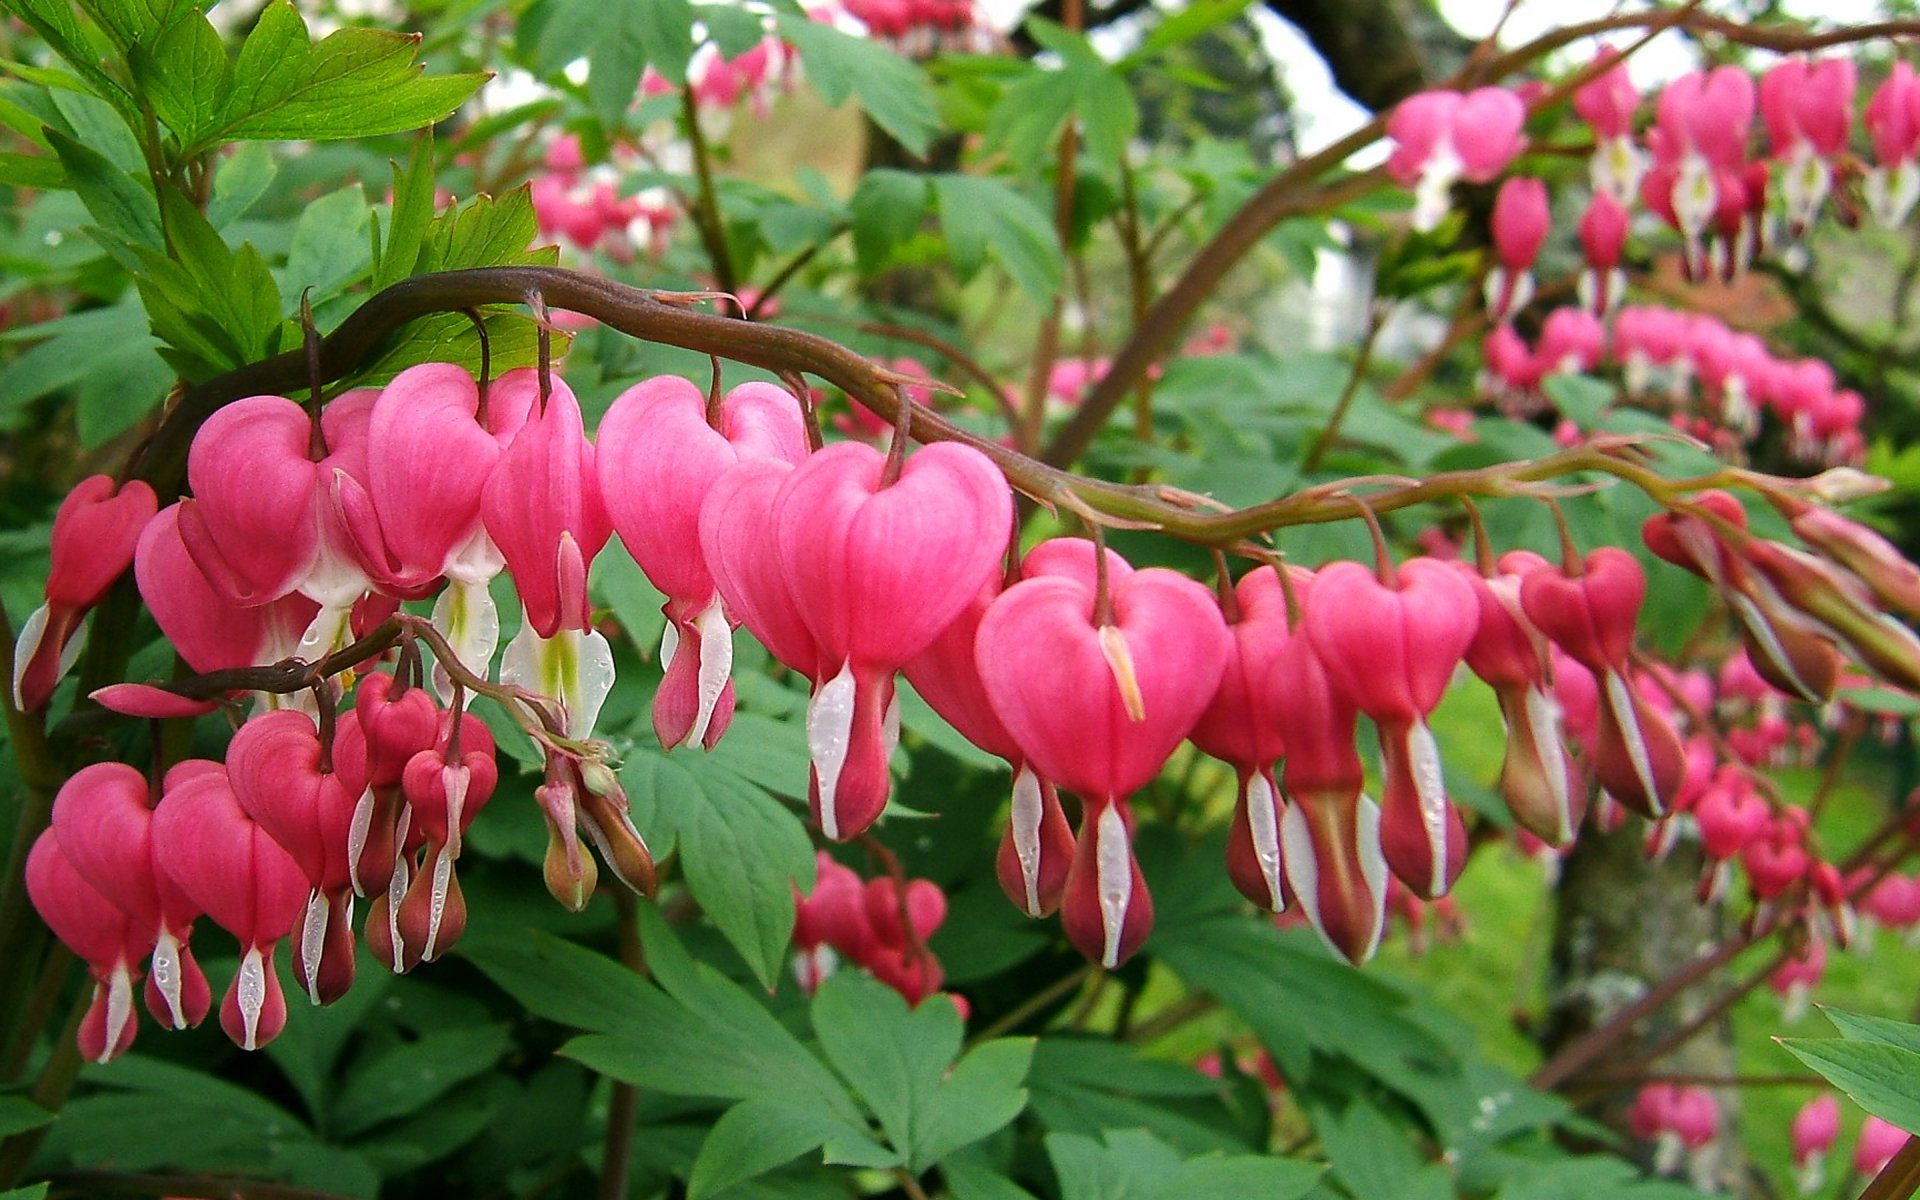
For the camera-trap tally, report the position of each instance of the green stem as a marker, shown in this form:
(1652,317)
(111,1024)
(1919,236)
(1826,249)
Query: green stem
(1376,320)
(57,1077)
(706,211)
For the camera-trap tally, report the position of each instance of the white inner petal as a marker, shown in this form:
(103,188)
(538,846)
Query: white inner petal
(467,617)
(1429,783)
(313,940)
(397,892)
(167,974)
(1543,723)
(437,906)
(357,830)
(23,650)
(1113,863)
(1622,704)
(1266,837)
(669,644)
(251,985)
(119,1007)
(829,732)
(1024,824)
(716,665)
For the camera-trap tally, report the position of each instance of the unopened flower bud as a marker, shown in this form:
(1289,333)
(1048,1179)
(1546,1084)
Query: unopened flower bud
(570,871)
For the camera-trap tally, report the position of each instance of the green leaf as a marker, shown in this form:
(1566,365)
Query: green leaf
(32,171)
(130,22)
(407,1077)
(330,248)
(1883,1079)
(122,385)
(33,1191)
(354,83)
(123,205)
(971,1181)
(886,209)
(897,1059)
(1581,398)
(892,90)
(56,24)
(567,983)
(412,214)
(743,852)
(1182,26)
(752,1138)
(733,31)
(1859,1027)
(1130,1165)
(19,1114)
(186,76)
(624,39)
(239,183)
(977,213)
(713,1039)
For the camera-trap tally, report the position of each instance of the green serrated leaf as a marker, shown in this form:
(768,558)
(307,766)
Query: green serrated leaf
(124,206)
(713,1039)
(407,1077)
(412,213)
(1859,1027)
(886,209)
(892,90)
(755,1136)
(186,76)
(977,213)
(898,1060)
(354,83)
(239,183)
(330,248)
(743,853)
(567,983)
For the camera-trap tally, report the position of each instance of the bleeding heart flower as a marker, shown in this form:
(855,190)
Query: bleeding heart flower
(103,817)
(1097,699)
(1242,726)
(1537,777)
(252,528)
(109,941)
(1037,846)
(877,569)
(94,533)
(287,782)
(1392,647)
(542,508)
(658,457)
(234,870)
(1329,831)
(1637,757)
(209,631)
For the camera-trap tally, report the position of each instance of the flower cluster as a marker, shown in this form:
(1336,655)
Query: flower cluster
(583,206)
(881,925)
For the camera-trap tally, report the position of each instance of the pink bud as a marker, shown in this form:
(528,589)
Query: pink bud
(1603,232)
(144,700)
(94,533)
(1520,221)
(1815,1127)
